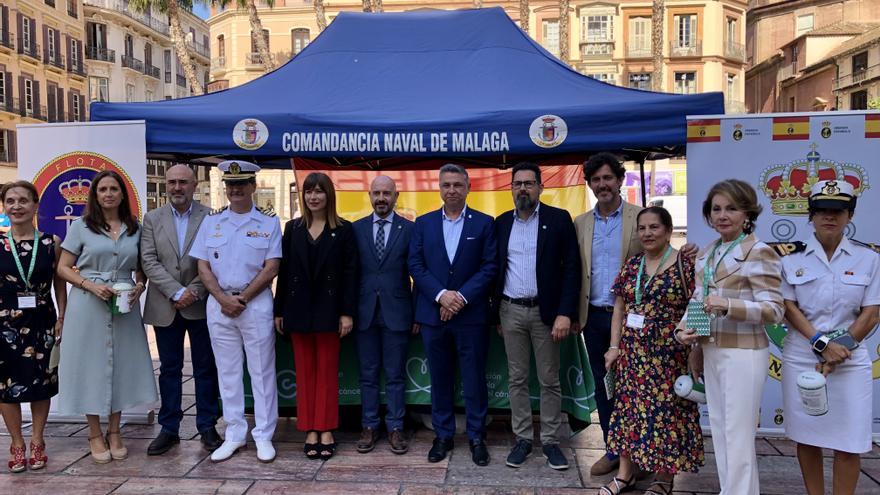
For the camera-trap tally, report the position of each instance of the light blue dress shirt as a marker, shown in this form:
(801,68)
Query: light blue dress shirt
(521,279)
(181,222)
(386,227)
(452,230)
(605,263)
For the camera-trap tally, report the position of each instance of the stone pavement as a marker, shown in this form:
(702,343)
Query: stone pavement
(187,470)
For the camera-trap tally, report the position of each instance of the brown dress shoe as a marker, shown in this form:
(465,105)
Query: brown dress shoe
(398,442)
(367,441)
(604,466)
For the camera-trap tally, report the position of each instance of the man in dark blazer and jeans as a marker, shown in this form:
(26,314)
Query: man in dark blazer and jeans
(536,299)
(452,262)
(385,314)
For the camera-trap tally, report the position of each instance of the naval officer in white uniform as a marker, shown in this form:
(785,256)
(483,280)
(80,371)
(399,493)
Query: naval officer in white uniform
(239,252)
(831,287)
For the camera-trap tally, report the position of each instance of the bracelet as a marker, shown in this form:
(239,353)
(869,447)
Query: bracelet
(613,347)
(82,284)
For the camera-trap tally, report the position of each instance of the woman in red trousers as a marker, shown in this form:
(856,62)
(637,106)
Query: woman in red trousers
(315,301)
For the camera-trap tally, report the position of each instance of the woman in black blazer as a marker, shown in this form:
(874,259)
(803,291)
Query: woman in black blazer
(315,302)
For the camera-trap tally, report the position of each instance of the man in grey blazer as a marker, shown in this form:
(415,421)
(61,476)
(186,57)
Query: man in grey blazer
(176,306)
(385,314)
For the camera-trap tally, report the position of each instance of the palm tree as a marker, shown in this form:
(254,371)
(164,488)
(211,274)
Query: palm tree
(377,6)
(172,9)
(563,30)
(524,12)
(260,41)
(320,15)
(657,44)
(368,7)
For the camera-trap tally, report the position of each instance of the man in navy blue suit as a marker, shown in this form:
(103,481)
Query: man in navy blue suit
(385,314)
(452,263)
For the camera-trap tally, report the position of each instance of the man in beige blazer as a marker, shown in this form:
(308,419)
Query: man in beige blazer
(176,306)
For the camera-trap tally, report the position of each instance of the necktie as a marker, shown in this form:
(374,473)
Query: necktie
(380,238)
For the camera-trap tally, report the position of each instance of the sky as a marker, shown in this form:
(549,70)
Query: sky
(201,10)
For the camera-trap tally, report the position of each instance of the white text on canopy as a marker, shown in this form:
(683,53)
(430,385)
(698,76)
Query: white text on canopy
(395,142)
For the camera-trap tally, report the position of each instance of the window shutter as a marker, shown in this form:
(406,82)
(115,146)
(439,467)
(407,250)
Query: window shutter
(9,98)
(60,106)
(58,48)
(46,44)
(37,100)
(79,56)
(21,103)
(4,20)
(33,35)
(69,60)
(70,97)
(51,99)
(20,23)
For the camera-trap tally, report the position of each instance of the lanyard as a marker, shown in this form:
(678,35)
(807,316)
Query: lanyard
(709,269)
(642,270)
(27,278)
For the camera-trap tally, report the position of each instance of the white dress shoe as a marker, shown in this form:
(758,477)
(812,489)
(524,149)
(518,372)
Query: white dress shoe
(226,450)
(265,451)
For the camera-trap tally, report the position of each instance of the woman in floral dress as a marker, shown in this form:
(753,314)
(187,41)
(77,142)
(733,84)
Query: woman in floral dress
(29,327)
(651,428)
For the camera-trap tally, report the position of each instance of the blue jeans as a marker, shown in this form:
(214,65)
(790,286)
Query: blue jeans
(381,348)
(597,337)
(169,341)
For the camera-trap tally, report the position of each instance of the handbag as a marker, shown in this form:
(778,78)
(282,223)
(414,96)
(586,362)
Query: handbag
(698,319)
(610,382)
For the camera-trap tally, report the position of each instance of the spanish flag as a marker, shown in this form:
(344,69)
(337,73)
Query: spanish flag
(704,131)
(872,125)
(490,190)
(791,128)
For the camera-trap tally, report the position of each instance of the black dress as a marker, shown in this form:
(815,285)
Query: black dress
(27,335)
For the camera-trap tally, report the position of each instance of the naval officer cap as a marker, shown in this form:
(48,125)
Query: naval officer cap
(832,195)
(238,171)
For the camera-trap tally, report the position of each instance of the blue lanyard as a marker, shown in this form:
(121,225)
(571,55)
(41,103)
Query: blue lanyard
(711,266)
(642,270)
(26,278)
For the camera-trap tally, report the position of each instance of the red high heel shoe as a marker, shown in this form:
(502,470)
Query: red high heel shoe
(17,463)
(38,456)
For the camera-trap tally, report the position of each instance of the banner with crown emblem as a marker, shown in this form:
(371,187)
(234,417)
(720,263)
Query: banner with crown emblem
(62,159)
(783,156)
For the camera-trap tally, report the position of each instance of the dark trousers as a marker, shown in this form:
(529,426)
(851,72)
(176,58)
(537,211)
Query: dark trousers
(316,356)
(380,348)
(470,345)
(169,342)
(597,336)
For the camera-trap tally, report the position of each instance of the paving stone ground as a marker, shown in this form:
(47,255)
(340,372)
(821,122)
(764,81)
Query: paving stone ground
(186,469)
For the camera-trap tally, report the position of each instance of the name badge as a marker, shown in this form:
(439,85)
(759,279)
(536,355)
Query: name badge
(635,321)
(27,300)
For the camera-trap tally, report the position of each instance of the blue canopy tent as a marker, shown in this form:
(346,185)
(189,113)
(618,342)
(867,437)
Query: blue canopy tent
(399,89)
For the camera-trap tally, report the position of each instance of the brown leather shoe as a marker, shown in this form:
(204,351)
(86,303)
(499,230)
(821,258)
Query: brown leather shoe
(604,466)
(398,442)
(368,439)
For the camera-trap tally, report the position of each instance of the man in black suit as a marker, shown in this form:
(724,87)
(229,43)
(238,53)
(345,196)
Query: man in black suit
(536,298)
(385,314)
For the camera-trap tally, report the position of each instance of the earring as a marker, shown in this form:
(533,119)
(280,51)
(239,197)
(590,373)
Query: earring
(747,225)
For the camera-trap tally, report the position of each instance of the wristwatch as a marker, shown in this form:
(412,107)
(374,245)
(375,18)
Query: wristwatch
(820,343)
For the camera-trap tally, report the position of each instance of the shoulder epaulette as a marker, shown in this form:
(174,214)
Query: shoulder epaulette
(786,248)
(269,212)
(219,210)
(871,246)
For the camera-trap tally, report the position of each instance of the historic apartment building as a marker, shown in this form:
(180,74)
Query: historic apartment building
(800,54)
(42,74)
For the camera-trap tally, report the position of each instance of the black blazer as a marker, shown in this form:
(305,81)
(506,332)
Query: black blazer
(558,263)
(311,298)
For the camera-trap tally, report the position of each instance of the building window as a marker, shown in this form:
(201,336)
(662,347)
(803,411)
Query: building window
(29,97)
(254,48)
(96,35)
(731,30)
(221,46)
(639,43)
(74,54)
(604,77)
(597,28)
(2,90)
(167,57)
(685,30)
(685,83)
(550,35)
(129,46)
(26,34)
(148,95)
(858,100)
(731,86)
(129,93)
(50,44)
(299,39)
(99,89)
(640,80)
(804,24)
(76,109)
(859,63)
(71,8)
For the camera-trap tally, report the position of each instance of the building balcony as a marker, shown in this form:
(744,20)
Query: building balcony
(76,68)
(31,50)
(56,61)
(218,63)
(133,64)
(11,105)
(35,112)
(152,71)
(199,48)
(7,155)
(857,77)
(735,51)
(101,54)
(123,8)
(597,49)
(255,61)
(6,40)
(181,81)
(734,106)
(684,48)
(638,51)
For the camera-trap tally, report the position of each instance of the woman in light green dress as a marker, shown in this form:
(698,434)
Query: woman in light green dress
(105,360)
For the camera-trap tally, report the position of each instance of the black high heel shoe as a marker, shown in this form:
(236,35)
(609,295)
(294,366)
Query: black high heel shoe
(311,450)
(327,450)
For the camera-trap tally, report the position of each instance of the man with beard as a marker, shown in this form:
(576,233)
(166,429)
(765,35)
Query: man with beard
(175,307)
(535,301)
(239,252)
(385,314)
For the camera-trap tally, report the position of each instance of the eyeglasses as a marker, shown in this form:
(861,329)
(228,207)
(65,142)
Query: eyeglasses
(528,184)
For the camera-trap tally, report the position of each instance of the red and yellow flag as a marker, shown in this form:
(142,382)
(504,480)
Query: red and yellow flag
(791,128)
(704,131)
(872,126)
(564,187)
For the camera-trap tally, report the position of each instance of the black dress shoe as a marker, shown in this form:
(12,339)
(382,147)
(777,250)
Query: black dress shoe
(211,440)
(162,443)
(439,450)
(479,452)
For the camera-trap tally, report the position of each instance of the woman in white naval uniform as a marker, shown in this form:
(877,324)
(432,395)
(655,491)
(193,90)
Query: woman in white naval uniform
(831,285)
